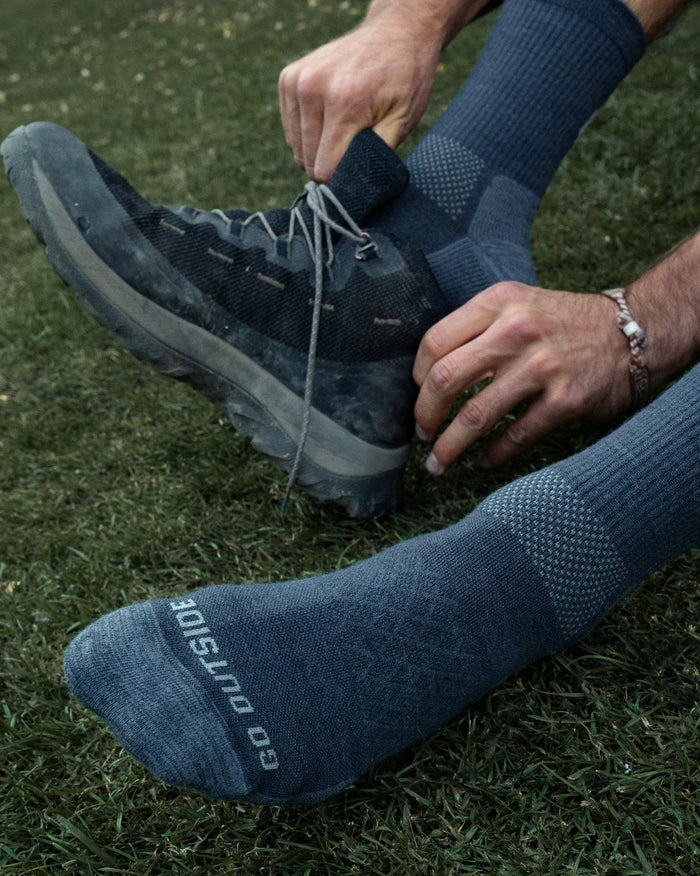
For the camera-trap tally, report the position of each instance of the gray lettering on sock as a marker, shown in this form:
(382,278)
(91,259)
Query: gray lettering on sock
(446,172)
(188,615)
(212,667)
(258,736)
(201,631)
(188,619)
(181,606)
(268,759)
(260,739)
(204,646)
(566,542)
(241,705)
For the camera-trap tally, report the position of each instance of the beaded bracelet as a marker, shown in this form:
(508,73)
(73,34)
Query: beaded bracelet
(639,375)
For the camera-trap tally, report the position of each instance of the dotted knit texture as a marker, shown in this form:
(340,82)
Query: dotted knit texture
(445,172)
(567,544)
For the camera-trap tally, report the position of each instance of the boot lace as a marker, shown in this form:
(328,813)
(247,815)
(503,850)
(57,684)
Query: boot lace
(321,246)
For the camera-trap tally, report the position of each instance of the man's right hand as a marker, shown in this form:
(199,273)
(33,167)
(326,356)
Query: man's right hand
(376,77)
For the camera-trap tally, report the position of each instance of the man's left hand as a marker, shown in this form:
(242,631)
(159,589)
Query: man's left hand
(560,352)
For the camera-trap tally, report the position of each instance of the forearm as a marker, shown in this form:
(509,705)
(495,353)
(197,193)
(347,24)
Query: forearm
(437,21)
(665,301)
(441,20)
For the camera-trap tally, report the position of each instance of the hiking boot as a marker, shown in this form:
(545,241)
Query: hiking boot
(299,324)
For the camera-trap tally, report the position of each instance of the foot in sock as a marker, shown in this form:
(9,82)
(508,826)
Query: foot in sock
(287,693)
(479,174)
(299,324)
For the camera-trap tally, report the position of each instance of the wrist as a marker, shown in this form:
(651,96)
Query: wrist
(666,302)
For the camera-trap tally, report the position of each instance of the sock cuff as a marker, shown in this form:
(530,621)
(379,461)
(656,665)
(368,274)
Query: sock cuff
(644,478)
(613,18)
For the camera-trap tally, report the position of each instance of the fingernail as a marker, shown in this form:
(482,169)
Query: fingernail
(421,434)
(433,465)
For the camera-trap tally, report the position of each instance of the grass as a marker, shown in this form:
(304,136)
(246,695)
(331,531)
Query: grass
(117,485)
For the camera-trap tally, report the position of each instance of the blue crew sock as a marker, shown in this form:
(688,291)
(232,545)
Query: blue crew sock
(478,175)
(287,693)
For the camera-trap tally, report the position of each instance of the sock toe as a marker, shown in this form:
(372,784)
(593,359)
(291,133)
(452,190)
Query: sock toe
(122,669)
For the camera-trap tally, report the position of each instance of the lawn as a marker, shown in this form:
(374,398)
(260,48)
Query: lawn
(117,485)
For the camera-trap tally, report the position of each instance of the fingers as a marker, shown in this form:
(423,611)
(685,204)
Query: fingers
(543,415)
(557,351)
(546,412)
(391,129)
(323,155)
(512,334)
(477,416)
(451,374)
(302,117)
(289,113)
(325,137)
(458,352)
(373,77)
(450,333)
(320,117)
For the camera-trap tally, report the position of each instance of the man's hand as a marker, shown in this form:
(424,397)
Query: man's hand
(373,77)
(560,352)
(378,76)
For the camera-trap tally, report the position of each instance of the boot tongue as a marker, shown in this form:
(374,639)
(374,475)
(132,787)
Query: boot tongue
(369,174)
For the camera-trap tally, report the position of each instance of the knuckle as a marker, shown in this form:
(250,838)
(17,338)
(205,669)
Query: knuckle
(523,327)
(561,406)
(433,342)
(545,364)
(308,86)
(517,434)
(289,77)
(505,293)
(443,377)
(346,101)
(504,289)
(473,417)
(340,92)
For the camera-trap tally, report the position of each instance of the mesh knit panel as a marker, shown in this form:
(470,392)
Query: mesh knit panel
(446,172)
(566,542)
(546,69)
